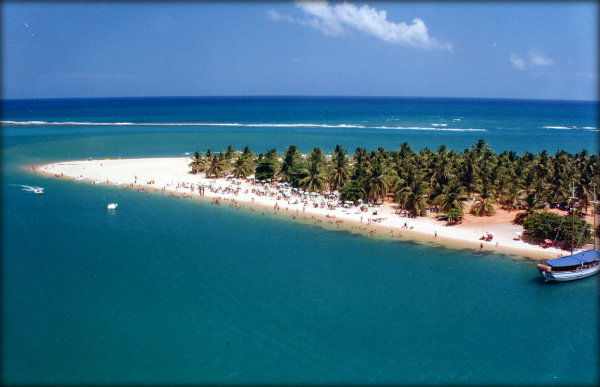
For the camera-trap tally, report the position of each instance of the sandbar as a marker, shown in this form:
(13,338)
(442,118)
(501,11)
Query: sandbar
(172,176)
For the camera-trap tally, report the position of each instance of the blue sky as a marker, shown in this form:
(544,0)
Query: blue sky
(434,49)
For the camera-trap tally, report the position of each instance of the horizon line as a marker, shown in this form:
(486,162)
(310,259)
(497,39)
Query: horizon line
(302,96)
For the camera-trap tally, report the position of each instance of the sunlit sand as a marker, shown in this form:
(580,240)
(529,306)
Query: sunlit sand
(172,176)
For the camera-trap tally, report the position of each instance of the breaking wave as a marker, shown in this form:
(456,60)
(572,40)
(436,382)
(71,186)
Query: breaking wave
(437,127)
(593,128)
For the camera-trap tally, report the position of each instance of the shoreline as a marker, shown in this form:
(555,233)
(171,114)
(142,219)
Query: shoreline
(172,176)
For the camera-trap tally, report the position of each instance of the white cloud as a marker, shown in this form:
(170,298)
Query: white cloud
(537,59)
(334,20)
(517,61)
(276,16)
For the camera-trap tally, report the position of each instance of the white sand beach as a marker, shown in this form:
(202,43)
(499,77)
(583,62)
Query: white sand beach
(172,176)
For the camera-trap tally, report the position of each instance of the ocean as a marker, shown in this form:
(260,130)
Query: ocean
(174,291)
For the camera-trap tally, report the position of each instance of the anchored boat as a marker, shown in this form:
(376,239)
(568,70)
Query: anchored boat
(575,266)
(571,267)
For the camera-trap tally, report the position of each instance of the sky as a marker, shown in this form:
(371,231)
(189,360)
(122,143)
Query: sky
(530,50)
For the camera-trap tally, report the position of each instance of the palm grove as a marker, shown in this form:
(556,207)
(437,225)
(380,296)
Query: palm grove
(442,179)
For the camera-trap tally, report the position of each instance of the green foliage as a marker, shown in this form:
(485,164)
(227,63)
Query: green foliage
(543,224)
(197,163)
(229,152)
(315,181)
(452,196)
(242,167)
(351,191)
(454,215)
(547,225)
(297,173)
(265,169)
(290,159)
(216,166)
(443,177)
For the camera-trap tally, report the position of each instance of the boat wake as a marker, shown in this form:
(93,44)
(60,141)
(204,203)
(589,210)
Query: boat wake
(28,188)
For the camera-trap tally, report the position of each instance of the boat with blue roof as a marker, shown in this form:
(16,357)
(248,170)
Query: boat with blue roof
(571,267)
(577,265)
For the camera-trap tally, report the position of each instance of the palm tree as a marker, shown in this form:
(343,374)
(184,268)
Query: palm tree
(413,198)
(242,167)
(454,215)
(292,157)
(315,181)
(509,193)
(340,170)
(229,152)
(361,163)
(481,147)
(377,182)
(452,196)
(469,177)
(541,167)
(197,163)
(316,156)
(272,154)
(531,202)
(217,166)
(248,154)
(484,203)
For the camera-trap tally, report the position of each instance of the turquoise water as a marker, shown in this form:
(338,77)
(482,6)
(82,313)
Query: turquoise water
(177,291)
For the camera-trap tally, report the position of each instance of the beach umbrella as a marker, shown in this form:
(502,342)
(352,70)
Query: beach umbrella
(548,241)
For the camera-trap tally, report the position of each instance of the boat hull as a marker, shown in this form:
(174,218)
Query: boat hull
(569,276)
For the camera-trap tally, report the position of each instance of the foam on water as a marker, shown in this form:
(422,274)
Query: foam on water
(28,188)
(436,127)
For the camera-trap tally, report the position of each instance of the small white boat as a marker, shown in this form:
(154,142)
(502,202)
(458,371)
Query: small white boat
(36,190)
(112,206)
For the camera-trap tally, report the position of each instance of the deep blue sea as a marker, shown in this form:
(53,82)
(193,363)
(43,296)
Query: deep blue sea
(170,291)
